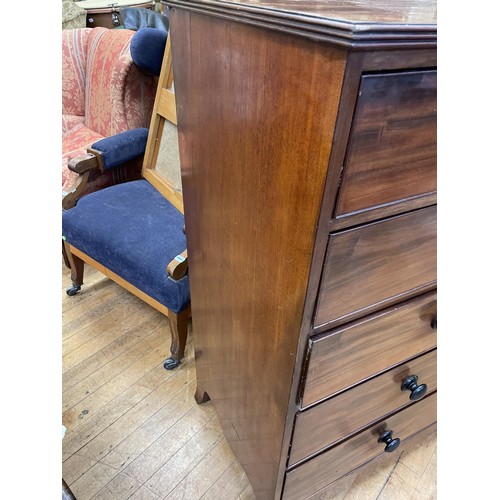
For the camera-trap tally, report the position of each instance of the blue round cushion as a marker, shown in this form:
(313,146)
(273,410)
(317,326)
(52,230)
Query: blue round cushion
(147,48)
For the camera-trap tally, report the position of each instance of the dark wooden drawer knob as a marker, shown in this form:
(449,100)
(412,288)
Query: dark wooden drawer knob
(391,443)
(434,323)
(411,384)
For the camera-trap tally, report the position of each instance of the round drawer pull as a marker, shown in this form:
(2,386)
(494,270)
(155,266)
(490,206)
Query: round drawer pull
(434,323)
(390,443)
(417,391)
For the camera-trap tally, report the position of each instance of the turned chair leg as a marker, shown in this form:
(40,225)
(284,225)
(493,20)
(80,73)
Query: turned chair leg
(178,330)
(65,256)
(77,266)
(67,494)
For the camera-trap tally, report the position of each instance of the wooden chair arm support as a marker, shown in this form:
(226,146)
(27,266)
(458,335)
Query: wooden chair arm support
(90,161)
(70,199)
(177,267)
(84,165)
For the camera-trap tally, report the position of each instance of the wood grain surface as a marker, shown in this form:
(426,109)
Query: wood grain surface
(351,23)
(359,64)
(386,11)
(305,480)
(372,266)
(391,156)
(339,417)
(350,354)
(255,133)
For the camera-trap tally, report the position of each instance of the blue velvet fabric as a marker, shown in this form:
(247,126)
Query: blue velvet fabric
(122,147)
(135,232)
(147,48)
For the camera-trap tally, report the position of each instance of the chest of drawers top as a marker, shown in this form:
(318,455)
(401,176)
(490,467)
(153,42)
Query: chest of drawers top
(344,22)
(307,137)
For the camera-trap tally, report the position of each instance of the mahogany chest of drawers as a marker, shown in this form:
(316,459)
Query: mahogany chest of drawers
(307,135)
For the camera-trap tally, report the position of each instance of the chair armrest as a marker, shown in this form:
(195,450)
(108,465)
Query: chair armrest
(85,163)
(109,161)
(177,267)
(120,148)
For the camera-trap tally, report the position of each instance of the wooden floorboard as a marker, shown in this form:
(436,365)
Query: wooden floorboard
(134,432)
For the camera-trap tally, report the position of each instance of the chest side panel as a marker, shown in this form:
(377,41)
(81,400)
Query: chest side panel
(256,112)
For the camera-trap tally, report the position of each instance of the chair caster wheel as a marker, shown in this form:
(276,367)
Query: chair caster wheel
(73,290)
(171,363)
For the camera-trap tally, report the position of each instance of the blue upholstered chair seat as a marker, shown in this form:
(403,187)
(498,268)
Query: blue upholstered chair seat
(129,228)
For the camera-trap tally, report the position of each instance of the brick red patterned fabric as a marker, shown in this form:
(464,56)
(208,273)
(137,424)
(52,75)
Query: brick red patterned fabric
(74,66)
(75,143)
(103,91)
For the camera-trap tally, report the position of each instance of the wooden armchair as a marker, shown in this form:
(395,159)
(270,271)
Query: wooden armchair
(134,232)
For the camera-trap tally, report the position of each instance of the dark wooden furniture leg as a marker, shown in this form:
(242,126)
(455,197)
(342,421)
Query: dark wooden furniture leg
(67,494)
(201,396)
(65,256)
(77,265)
(178,328)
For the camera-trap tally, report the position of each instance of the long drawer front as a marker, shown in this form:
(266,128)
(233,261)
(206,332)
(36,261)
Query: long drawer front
(355,352)
(319,472)
(391,156)
(376,265)
(325,424)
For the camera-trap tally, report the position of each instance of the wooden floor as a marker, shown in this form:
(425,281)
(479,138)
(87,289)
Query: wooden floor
(133,430)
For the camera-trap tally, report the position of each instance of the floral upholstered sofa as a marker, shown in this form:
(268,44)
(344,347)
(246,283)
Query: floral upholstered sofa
(104,91)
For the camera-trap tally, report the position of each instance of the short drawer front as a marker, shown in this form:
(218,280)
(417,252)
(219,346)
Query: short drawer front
(312,476)
(362,349)
(391,155)
(372,266)
(350,411)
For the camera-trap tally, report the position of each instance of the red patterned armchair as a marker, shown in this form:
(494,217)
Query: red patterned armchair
(109,81)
